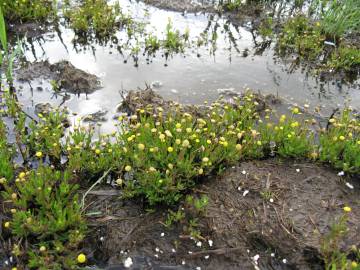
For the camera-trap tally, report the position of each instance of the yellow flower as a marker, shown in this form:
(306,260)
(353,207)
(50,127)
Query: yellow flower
(170,149)
(153,130)
(178,125)
(42,248)
(225,144)
(141,146)
(314,155)
(259,143)
(347,209)
(151,150)
(177,141)
(238,147)
(294,124)
(170,166)
(39,154)
(119,181)
(354,264)
(2,180)
(185,143)
(22,175)
(208,141)
(162,136)
(13,210)
(205,159)
(188,130)
(14,268)
(81,258)
(342,138)
(14,196)
(7,224)
(200,171)
(97,151)
(295,110)
(128,168)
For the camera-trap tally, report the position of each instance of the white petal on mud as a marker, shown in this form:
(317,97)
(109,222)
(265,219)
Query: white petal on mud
(199,244)
(174,91)
(341,173)
(183,262)
(256,258)
(349,185)
(210,243)
(239,188)
(271,200)
(162,234)
(284,261)
(272,254)
(245,193)
(173,250)
(128,262)
(243,172)
(297,170)
(207,257)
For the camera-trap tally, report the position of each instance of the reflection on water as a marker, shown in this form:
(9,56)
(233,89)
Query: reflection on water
(230,58)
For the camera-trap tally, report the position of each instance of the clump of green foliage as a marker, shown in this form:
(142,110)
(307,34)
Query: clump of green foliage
(307,40)
(94,17)
(28,10)
(44,210)
(334,256)
(302,37)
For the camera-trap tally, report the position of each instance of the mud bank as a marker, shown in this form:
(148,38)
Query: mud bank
(66,76)
(242,227)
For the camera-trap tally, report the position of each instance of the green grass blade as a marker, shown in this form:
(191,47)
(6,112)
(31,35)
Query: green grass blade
(3,31)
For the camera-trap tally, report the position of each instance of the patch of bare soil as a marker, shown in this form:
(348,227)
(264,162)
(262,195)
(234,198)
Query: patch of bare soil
(67,77)
(242,227)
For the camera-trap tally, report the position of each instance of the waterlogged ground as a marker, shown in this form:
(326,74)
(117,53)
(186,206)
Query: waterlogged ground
(268,214)
(197,75)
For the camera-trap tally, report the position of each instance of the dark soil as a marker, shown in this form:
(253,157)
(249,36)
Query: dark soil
(240,220)
(68,77)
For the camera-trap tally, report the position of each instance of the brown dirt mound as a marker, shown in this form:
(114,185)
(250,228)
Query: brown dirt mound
(67,76)
(285,233)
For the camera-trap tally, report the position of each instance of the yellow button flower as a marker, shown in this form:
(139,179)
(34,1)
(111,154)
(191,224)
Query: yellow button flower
(39,154)
(347,209)
(342,138)
(81,258)
(170,149)
(141,146)
(7,224)
(128,168)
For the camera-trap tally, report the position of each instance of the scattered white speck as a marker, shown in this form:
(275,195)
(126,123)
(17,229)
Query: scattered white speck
(162,234)
(183,262)
(248,251)
(284,261)
(157,249)
(173,250)
(271,200)
(297,170)
(272,254)
(291,209)
(341,173)
(239,188)
(102,238)
(349,185)
(256,258)
(233,167)
(245,193)
(121,252)
(207,257)
(243,172)
(156,255)
(210,243)
(198,268)
(128,262)
(190,252)
(199,244)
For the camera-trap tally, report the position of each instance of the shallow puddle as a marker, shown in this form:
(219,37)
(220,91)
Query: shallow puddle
(193,77)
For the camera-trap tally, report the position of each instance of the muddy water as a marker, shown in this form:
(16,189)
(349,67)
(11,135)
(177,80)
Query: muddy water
(185,78)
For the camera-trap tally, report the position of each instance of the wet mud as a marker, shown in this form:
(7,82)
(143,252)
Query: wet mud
(67,76)
(242,228)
